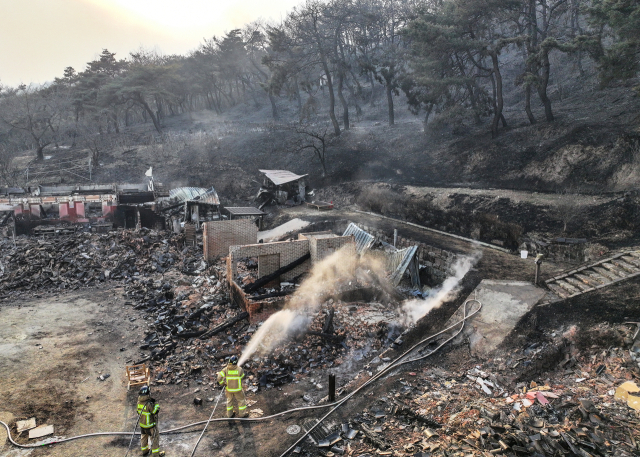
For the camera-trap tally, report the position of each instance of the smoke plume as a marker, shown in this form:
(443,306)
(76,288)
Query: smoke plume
(413,310)
(339,271)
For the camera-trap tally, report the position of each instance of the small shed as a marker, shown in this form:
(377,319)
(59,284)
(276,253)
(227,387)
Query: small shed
(200,204)
(245,212)
(282,185)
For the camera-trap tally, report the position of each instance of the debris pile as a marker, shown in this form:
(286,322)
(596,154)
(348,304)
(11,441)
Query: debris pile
(85,259)
(586,407)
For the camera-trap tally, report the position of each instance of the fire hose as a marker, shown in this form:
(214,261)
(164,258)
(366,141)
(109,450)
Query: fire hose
(399,361)
(207,424)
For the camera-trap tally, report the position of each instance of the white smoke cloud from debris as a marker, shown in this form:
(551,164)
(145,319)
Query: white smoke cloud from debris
(414,310)
(339,271)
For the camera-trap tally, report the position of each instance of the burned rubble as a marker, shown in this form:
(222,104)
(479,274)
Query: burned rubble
(84,259)
(551,396)
(582,407)
(188,323)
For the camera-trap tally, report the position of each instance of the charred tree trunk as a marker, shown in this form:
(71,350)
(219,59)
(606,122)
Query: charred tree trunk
(40,151)
(527,105)
(140,99)
(296,89)
(274,107)
(373,88)
(544,83)
(390,103)
(498,100)
(332,97)
(343,101)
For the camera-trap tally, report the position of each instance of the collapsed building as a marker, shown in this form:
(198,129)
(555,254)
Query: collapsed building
(191,325)
(207,308)
(261,276)
(190,205)
(124,205)
(281,187)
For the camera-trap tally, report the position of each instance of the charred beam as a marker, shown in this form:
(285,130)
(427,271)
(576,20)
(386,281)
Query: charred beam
(224,326)
(276,274)
(271,295)
(328,323)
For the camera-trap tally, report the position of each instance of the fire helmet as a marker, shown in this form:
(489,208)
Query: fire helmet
(145,390)
(233,360)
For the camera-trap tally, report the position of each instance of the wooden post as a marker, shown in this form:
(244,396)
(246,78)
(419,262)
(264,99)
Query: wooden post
(332,388)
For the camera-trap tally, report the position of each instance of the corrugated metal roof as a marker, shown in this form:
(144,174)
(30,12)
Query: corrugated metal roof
(279,177)
(399,261)
(363,239)
(199,194)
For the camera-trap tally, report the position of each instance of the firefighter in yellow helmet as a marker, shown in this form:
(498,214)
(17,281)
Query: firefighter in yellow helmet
(231,377)
(148,411)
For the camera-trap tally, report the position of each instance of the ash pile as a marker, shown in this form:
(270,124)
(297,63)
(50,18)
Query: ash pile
(189,326)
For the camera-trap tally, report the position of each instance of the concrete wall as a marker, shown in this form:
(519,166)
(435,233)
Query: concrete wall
(218,236)
(321,248)
(288,250)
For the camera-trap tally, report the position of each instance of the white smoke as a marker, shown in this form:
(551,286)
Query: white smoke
(326,279)
(414,310)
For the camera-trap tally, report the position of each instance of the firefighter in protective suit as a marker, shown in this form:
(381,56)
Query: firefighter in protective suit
(231,377)
(148,419)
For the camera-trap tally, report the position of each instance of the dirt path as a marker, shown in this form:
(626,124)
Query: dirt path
(53,350)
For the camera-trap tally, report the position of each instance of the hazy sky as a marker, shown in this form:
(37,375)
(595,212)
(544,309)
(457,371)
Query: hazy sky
(40,38)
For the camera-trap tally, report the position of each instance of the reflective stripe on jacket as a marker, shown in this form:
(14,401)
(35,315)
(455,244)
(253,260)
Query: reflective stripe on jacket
(231,376)
(147,409)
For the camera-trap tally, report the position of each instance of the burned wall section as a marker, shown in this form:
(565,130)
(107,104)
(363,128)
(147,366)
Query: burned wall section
(219,236)
(323,244)
(436,261)
(288,252)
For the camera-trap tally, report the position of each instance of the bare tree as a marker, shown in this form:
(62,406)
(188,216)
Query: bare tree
(9,173)
(314,139)
(34,112)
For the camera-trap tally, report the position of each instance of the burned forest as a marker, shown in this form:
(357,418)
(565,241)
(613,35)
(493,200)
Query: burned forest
(369,228)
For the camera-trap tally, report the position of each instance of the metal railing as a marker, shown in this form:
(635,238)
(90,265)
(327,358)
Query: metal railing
(38,171)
